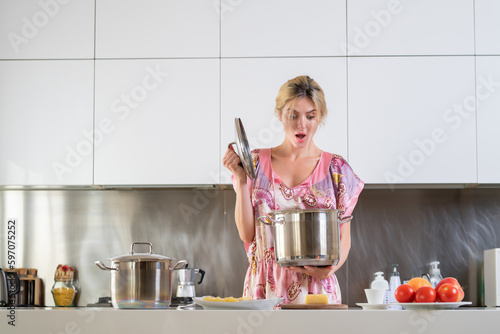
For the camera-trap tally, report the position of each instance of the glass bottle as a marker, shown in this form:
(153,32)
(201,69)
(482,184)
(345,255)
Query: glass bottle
(64,290)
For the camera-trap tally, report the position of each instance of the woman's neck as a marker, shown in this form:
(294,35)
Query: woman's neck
(289,151)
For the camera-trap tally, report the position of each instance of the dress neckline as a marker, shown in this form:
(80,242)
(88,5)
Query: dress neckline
(302,183)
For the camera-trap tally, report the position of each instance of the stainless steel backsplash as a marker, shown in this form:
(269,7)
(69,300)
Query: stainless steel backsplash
(408,227)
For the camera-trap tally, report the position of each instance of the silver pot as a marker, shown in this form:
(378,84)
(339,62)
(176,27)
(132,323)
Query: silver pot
(306,237)
(141,280)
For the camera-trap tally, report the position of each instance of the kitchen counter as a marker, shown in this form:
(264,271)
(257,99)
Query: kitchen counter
(353,320)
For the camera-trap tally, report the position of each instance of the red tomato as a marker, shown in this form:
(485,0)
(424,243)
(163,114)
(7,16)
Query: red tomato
(405,293)
(448,293)
(450,280)
(425,294)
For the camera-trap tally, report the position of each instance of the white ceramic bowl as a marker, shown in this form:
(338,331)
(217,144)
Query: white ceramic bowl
(375,296)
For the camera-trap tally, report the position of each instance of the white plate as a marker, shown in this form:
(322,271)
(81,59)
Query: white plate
(367,306)
(432,306)
(262,304)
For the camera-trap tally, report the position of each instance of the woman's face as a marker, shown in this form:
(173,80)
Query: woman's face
(301,123)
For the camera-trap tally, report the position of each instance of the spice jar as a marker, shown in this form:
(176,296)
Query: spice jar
(64,290)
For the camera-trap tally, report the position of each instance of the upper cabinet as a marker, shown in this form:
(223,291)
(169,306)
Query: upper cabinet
(249,88)
(156,122)
(488,118)
(46,122)
(261,28)
(49,29)
(408,27)
(157,28)
(412,119)
(487,26)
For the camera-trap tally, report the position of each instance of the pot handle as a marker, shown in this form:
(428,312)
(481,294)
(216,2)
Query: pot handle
(267,220)
(202,272)
(180,265)
(345,220)
(141,243)
(103,266)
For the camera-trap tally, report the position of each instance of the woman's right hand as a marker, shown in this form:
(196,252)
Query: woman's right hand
(232,161)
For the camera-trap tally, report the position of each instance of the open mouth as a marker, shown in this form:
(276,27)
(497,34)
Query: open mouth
(300,136)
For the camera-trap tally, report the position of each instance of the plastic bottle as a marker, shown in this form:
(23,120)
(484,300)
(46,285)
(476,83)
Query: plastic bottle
(380,283)
(394,282)
(435,276)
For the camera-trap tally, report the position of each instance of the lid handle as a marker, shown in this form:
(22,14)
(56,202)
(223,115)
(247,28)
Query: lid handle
(141,243)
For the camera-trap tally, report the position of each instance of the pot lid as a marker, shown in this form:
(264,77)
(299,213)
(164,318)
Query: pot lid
(243,148)
(141,257)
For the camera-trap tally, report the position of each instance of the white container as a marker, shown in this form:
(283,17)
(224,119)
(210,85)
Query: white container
(394,283)
(380,283)
(435,276)
(492,277)
(375,296)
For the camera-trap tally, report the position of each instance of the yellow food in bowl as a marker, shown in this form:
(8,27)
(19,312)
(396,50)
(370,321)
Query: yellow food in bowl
(226,299)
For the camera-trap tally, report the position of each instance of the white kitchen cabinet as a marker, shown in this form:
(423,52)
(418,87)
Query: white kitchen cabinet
(249,88)
(412,119)
(156,122)
(488,118)
(46,122)
(46,29)
(487,13)
(157,28)
(262,28)
(406,27)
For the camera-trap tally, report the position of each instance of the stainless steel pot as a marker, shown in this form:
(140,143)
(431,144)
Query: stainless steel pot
(306,237)
(141,280)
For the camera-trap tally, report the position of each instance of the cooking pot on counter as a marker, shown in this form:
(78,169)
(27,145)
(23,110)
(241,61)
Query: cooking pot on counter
(141,280)
(306,237)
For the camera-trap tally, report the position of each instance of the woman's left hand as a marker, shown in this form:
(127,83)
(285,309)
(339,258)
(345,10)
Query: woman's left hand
(316,272)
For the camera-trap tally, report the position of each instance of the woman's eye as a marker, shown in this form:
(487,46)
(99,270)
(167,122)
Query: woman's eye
(292,116)
(310,117)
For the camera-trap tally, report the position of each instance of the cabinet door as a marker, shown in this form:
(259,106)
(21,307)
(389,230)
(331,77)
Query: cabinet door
(405,27)
(156,122)
(46,122)
(282,28)
(46,29)
(412,119)
(249,89)
(487,26)
(488,118)
(157,28)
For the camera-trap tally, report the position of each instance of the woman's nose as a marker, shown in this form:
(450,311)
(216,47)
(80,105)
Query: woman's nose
(302,122)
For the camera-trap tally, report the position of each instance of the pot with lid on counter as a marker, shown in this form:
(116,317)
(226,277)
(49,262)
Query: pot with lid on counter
(141,280)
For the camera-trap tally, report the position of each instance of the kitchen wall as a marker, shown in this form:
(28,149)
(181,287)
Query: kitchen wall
(408,227)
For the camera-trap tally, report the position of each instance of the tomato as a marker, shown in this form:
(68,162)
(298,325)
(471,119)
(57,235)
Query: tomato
(450,280)
(405,293)
(448,293)
(425,294)
(418,282)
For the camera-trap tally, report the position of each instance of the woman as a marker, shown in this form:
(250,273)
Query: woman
(295,174)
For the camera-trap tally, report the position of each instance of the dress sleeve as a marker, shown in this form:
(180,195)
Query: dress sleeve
(349,185)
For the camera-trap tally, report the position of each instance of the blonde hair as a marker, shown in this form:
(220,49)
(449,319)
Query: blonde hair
(298,87)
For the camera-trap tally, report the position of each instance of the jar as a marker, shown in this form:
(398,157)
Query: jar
(64,292)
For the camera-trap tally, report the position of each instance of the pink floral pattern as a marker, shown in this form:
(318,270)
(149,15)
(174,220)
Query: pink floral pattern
(332,185)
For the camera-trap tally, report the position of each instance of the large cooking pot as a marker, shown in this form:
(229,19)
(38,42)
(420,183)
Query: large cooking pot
(306,237)
(141,280)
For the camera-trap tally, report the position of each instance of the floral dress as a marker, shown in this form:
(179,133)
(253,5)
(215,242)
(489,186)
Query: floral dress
(332,185)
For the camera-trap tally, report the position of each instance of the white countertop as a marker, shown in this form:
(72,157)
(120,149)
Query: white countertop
(353,320)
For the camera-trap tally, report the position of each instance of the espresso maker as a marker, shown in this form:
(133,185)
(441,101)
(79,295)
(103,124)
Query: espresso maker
(185,282)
